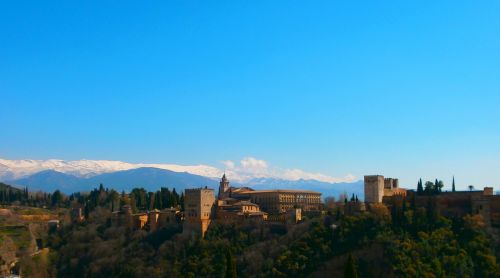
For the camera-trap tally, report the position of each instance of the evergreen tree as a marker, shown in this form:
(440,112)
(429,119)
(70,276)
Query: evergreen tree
(436,187)
(429,188)
(453,185)
(57,198)
(133,204)
(420,188)
(140,196)
(175,198)
(158,200)
(439,186)
(230,266)
(113,197)
(350,268)
(151,201)
(181,200)
(165,197)
(122,199)
(87,210)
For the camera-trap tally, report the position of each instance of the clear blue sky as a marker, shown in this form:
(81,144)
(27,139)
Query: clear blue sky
(405,88)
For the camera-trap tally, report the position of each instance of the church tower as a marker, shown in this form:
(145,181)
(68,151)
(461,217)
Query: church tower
(223,187)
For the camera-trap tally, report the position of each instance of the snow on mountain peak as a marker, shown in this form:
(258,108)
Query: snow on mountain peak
(14,169)
(239,171)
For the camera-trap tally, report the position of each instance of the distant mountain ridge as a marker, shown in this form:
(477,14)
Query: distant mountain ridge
(16,169)
(240,171)
(153,178)
(4,186)
(50,180)
(149,178)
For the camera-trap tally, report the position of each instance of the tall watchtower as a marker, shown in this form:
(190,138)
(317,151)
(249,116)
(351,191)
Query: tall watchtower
(374,188)
(223,187)
(199,204)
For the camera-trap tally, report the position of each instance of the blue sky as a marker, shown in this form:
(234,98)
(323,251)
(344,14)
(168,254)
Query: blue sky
(406,89)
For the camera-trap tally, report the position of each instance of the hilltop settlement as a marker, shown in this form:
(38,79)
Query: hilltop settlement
(124,234)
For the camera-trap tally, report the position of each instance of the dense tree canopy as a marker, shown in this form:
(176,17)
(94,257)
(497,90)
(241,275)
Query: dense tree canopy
(400,241)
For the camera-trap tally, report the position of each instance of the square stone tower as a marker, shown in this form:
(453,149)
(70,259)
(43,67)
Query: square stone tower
(374,188)
(199,209)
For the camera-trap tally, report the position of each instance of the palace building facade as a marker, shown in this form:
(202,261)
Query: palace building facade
(281,201)
(272,201)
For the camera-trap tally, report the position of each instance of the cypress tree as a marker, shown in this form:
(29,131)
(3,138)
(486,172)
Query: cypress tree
(453,185)
(420,187)
(86,211)
(175,198)
(168,198)
(350,268)
(158,200)
(230,266)
(151,200)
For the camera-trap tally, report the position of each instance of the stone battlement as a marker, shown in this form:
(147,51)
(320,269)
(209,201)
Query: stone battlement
(377,187)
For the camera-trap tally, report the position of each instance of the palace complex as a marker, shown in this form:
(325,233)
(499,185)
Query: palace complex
(272,201)
(246,205)
(232,205)
(243,204)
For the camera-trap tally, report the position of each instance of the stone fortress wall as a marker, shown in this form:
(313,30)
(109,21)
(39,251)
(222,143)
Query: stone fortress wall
(451,204)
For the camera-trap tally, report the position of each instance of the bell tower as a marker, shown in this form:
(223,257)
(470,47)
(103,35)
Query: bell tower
(223,187)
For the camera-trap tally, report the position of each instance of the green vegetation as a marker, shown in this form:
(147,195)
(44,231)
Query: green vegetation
(350,268)
(400,241)
(22,210)
(432,188)
(163,198)
(9,194)
(416,243)
(19,234)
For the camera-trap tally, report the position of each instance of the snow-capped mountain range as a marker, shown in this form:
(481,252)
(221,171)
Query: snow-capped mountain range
(15,169)
(242,171)
(83,175)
